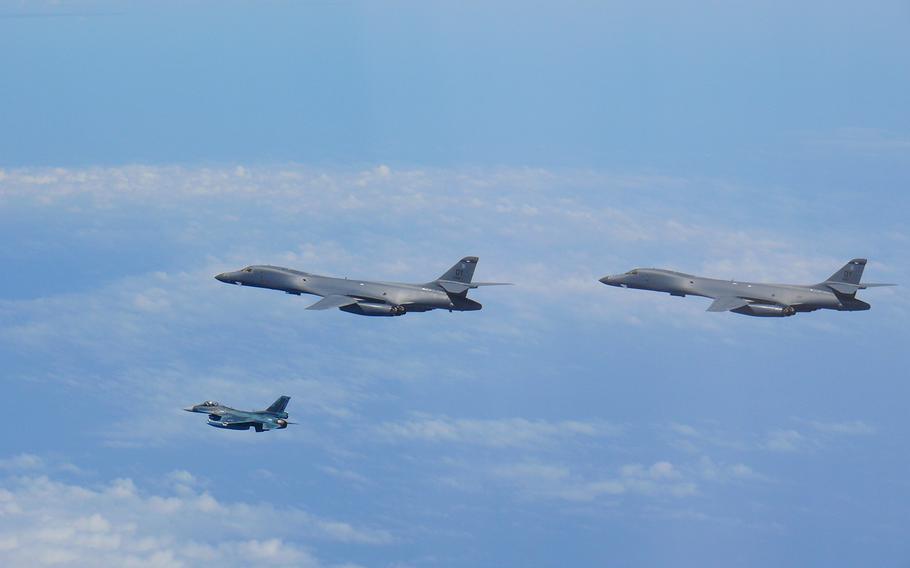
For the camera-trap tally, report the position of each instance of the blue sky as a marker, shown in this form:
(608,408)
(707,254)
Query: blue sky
(145,147)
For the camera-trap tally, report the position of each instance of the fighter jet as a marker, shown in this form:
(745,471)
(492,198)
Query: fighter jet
(367,298)
(220,416)
(838,292)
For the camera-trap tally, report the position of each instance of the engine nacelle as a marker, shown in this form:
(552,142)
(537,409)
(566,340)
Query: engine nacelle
(281,423)
(374,309)
(766,310)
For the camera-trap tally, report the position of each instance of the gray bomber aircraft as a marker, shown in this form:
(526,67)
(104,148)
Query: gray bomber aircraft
(838,292)
(220,416)
(367,298)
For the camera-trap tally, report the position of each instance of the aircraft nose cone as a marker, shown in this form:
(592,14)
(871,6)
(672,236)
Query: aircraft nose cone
(221,277)
(189,409)
(617,280)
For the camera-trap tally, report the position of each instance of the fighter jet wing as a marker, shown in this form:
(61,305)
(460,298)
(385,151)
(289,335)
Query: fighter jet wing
(727,303)
(330,302)
(234,419)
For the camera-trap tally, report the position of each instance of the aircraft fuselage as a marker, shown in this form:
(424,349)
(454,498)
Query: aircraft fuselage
(801,298)
(414,297)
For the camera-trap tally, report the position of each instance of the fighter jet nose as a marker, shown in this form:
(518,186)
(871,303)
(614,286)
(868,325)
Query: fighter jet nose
(221,277)
(605,280)
(189,409)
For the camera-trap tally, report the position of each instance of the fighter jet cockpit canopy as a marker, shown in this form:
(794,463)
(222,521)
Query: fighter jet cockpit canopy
(632,272)
(210,403)
(247,269)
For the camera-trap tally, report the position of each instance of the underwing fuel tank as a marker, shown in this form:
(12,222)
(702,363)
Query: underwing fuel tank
(371,309)
(766,310)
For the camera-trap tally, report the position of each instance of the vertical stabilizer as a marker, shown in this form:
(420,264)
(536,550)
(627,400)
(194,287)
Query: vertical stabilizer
(461,272)
(279,405)
(851,273)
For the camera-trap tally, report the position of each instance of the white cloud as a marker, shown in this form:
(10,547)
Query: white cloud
(658,480)
(546,481)
(544,230)
(505,432)
(694,439)
(170,335)
(45,522)
(785,441)
(346,475)
(853,427)
(31,463)
(22,462)
(822,434)
(861,141)
(711,470)
(812,435)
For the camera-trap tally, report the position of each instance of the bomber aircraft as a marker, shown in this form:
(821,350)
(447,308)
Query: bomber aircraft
(365,297)
(838,292)
(220,416)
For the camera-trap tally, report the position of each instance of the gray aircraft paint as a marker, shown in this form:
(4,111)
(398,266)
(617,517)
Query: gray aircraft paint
(838,292)
(272,418)
(366,297)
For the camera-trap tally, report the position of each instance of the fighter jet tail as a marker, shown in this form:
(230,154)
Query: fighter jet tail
(279,405)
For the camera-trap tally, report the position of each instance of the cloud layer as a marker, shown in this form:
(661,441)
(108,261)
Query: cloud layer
(563,405)
(48,522)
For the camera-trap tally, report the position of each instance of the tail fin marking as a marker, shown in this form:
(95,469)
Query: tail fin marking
(462,272)
(851,273)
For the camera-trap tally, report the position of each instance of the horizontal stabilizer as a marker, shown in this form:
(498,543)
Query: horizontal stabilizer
(330,302)
(459,287)
(848,288)
(725,304)
(454,287)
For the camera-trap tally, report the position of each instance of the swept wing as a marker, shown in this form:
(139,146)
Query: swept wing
(335,301)
(727,303)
